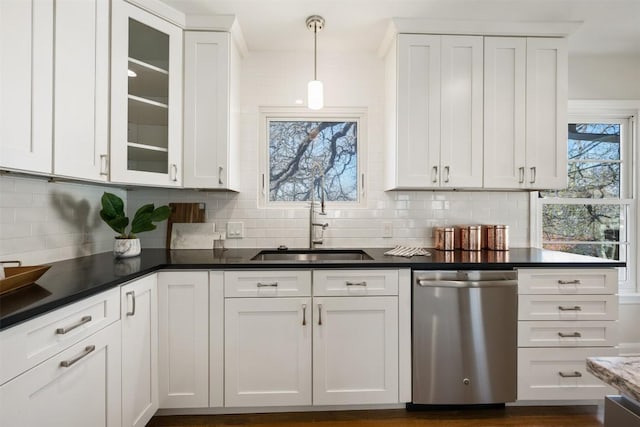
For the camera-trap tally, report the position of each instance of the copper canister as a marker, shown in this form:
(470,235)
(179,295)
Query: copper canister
(471,237)
(488,233)
(444,238)
(501,238)
(457,236)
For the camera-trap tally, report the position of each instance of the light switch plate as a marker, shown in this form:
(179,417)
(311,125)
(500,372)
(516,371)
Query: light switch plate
(235,230)
(387,230)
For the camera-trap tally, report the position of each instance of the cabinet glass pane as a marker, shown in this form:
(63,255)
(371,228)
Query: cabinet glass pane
(148,88)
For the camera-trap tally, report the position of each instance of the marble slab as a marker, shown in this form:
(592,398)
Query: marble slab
(622,373)
(199,235)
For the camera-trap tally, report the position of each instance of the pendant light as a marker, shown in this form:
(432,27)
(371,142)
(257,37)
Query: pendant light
(315,96)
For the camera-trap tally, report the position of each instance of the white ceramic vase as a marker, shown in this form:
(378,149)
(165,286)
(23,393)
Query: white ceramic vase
(126,248)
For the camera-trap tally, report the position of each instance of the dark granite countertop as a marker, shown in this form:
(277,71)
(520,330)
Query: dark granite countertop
(75,279)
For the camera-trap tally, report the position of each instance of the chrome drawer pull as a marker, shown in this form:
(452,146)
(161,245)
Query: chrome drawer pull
(62,331)
(304,314)
(572,335)
(569,282)
(574,374)
(363,283)
(133,297)
(266,285)
(574,308)
(88,349)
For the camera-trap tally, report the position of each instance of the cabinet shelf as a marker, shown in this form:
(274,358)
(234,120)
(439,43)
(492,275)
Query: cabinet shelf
(147,112)
(147,147)
(150,82)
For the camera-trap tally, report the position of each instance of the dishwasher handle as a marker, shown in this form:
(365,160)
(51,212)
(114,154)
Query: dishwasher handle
(429,283)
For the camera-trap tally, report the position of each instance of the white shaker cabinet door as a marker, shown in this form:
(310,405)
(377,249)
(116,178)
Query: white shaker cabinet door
(355,350)
(183,317)
(81,86)
(547,86)
(78,387)
(504,112)
(418,111)
(26,84)
(267,351)
(139,304)
(461,112)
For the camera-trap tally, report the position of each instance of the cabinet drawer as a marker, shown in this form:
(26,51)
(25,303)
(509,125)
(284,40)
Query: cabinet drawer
(567,281)
(29,343)
(355,282)
(267,283)
(559,374)
(567,334)
(568,307)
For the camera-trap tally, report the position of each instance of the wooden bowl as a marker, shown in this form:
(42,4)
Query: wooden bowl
(17,277)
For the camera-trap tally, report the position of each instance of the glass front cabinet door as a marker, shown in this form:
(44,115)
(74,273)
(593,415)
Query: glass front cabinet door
(146,102)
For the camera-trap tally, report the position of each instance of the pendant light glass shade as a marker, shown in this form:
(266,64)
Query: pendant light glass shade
(315,90)
(315,95)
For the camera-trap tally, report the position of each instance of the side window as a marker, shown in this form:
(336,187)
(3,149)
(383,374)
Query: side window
(593,215)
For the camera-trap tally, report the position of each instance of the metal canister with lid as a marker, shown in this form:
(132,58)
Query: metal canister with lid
(488,236)
(501,238)
(444,238)
(471,237)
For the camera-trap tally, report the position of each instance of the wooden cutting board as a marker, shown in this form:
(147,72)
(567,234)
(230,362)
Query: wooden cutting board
(184,212)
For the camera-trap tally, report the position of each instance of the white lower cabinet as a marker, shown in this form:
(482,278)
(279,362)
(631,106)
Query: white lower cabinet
(355,350)
(564,316)
(267,351)
(560,374)
(304,350)
(78,387)
(139,319)
(183,339)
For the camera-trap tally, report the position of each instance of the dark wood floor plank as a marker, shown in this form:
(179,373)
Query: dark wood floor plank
(531,416)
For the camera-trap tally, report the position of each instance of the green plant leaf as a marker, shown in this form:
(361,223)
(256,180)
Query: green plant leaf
(148,208)
(112,212)
(112,205)
(161,213)
(117,224)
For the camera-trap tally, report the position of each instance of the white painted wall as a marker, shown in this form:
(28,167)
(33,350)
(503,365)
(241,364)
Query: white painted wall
(43,221)
(350,80)
(604,77)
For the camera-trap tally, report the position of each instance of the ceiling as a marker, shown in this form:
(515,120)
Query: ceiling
(609,26)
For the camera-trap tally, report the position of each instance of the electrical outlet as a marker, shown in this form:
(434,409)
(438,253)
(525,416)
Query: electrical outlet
(235,230)
(387,230)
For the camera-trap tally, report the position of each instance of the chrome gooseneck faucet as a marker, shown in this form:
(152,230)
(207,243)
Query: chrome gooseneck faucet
(313,235)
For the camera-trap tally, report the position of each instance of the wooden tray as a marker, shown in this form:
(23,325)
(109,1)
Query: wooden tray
(17,277)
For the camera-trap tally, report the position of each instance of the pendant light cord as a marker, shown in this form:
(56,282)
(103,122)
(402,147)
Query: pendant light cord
(315,51)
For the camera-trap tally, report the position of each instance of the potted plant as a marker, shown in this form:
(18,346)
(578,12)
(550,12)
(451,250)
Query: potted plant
(126,243)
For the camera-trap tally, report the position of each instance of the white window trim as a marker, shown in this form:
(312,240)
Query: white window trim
(358,114)
(606,109)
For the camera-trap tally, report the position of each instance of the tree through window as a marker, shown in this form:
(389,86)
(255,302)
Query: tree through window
(308,155)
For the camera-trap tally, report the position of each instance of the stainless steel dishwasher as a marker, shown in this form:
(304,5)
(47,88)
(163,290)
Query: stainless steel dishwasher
(464,336)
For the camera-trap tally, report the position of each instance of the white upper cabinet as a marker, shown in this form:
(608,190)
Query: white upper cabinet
(26,84)
(547,87)
(434,97)
(525,105)
(504,111)
(81,89)
(146,98)
(211,60)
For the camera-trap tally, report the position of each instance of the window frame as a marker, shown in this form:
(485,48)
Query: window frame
(606,112)
(358,115)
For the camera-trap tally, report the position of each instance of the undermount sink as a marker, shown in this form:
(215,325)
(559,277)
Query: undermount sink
(312,255)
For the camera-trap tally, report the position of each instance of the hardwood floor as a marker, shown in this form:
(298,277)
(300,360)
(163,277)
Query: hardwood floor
(538,416)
